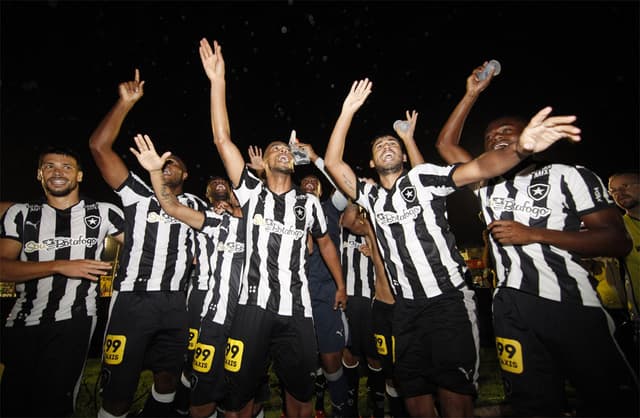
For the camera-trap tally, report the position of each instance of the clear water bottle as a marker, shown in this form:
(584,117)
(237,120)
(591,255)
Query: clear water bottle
(492,65)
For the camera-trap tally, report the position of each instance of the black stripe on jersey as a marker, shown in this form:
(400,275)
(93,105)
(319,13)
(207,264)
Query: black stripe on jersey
(254,260)
(172,257)
(145,267)
(383,246)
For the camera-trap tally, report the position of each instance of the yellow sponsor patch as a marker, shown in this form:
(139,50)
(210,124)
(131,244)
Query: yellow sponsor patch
(509,355)
(233,355)
(193,339)
(113,349)
(203,357)
(381,344)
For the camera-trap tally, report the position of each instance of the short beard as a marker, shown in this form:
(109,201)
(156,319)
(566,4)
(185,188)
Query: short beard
(63,192)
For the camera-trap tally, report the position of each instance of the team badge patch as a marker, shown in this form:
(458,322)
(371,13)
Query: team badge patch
(409,194)
(538,191)
(92,221)
(300,212)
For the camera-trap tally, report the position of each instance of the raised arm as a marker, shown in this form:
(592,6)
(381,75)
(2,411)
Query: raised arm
(213,64)
(113,169)
(153,163)
(414,154)
(541,132)
(449,137)
(342,174)
(14,270)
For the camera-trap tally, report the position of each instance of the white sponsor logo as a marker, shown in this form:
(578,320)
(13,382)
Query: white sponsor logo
(408,215)
(153,217)
(276,227)
(58,243)
(230,247)
(510,205)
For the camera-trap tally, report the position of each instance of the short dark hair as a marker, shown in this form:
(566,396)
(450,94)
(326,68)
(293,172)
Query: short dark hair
(396,139)
(59,150)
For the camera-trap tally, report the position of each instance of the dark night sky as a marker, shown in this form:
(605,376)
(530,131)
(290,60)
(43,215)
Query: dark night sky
(289,66)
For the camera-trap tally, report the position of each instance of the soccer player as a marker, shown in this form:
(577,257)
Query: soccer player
(426,270)
(273,320)
(51,250)
(542,219)
(148,324)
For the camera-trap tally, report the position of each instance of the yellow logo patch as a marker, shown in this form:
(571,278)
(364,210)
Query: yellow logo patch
(233,355)
(203,357)
(193,339)
(509,355)
(113,349)
(381,344)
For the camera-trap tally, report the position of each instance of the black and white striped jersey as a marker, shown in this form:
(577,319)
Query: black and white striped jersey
(48,234)
(411,226)
(357,268)
(554,197)
(276,227)
(158,249)
(226,260)
(203,249)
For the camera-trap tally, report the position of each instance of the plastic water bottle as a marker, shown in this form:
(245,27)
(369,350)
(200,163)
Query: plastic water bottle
(401,125)
(491,65)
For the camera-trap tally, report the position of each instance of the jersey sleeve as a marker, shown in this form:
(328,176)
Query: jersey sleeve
(12,222)
(133,189)
(248,186)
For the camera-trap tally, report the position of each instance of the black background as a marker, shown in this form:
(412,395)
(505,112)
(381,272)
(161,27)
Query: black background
(290,65)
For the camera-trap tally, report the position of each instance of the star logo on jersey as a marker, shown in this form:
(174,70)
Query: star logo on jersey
(92,221)
(409,193)
(538,191)
(300,212)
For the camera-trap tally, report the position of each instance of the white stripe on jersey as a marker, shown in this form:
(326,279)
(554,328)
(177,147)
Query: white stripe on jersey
(47,234)
(415,241)
(554,196)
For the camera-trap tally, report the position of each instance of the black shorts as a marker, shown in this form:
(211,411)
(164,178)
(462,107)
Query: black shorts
(146,330)
(437,344)
(541,342)
(363,343)
(382,318)
(208,375)
(259,337)
(43,366)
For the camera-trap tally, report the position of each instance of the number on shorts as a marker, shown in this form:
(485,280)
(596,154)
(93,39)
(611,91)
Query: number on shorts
(510,355)
(113,349)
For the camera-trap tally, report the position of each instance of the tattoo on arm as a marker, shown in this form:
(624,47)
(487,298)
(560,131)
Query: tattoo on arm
(351,188)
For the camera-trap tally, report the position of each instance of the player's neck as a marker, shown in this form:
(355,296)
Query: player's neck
(278,182)
(63,202)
